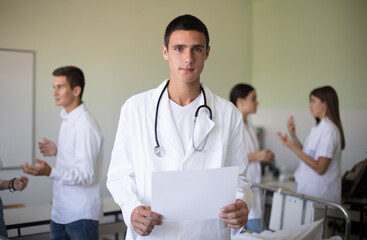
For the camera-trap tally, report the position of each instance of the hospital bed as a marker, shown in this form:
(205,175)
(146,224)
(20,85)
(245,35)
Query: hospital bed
(289,215)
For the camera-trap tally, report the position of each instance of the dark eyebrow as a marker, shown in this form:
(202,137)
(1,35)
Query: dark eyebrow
(58,85)
(198,46)
(185,46)
(179,46)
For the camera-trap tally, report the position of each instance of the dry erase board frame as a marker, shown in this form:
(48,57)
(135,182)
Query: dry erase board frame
(17,69)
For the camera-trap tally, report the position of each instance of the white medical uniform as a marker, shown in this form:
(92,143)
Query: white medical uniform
(323,141)
(133,159)
(253,171)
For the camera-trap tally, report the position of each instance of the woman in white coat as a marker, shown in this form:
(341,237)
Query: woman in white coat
(319,171)
(243,96)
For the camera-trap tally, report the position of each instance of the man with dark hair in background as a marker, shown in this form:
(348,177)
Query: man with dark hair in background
(77,202)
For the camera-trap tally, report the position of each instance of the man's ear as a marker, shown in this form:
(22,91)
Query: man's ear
(77,90)
(207,52)
(165,52)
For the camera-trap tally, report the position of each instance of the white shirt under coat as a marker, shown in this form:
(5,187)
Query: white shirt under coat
(323,141)
(133,159)
(253,171)
(77,192)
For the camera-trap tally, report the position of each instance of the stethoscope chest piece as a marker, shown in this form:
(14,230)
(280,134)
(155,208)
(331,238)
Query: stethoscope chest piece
(159,151)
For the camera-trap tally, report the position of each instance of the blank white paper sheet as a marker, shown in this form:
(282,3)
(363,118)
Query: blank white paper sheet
(193,195)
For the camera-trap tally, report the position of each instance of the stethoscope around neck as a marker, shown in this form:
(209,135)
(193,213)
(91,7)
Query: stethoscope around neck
(158,149)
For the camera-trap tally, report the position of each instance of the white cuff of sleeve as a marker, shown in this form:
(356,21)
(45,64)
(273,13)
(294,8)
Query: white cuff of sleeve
(56,173)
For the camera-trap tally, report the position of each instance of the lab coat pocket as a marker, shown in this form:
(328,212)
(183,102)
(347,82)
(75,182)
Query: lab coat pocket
(311,153)
(310,148)
(205,160)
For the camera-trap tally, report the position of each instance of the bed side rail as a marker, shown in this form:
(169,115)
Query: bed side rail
(324,203)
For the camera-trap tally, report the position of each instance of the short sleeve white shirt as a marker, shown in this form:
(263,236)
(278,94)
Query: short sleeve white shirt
(323,141)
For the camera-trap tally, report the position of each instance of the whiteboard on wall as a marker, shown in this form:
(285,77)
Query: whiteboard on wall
(16,107)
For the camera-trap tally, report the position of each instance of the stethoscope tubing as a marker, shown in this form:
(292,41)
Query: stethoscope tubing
(156,116)
(158,150)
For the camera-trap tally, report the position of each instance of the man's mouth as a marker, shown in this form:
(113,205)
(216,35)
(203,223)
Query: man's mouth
(186,69)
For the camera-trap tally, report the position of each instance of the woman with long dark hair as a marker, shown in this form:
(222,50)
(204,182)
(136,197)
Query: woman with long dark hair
(243,96)
(319,171)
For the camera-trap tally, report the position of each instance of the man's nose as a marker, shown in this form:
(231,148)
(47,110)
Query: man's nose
(188,56)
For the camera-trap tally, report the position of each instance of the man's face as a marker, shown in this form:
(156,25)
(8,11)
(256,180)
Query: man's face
(186,55)
(64,95)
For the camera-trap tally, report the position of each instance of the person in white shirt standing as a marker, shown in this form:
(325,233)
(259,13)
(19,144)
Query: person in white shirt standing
(319,171)
(243,96)
(163,118)
(77,202)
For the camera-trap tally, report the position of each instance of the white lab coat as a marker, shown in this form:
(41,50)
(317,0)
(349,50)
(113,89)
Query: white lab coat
(253,171)
(323,141)
(133,159)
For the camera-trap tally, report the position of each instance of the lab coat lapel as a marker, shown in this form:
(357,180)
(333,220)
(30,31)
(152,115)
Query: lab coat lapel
(168,135)
(203,125)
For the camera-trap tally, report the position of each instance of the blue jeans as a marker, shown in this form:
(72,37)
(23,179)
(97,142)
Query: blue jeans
(3,231)
(254,225)
(78,230)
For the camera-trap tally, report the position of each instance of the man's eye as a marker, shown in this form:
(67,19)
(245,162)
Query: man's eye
(198,50)
(179,49)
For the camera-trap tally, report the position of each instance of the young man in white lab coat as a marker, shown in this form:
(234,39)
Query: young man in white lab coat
(167,113)
(77,202)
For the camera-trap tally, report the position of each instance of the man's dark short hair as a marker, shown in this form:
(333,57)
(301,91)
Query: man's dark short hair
(186,22)
(74,76)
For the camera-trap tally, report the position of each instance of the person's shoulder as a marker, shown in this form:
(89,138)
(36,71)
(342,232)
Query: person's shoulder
(326,123)
(224,105)
(87,120)
(224,102)
(225,111)
(138,103)
(328,127)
